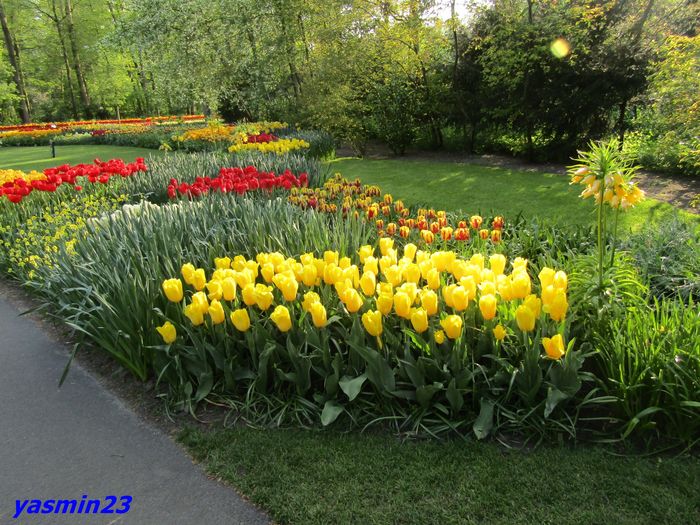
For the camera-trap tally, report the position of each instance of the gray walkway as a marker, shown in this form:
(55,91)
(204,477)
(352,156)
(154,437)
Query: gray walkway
(61,444)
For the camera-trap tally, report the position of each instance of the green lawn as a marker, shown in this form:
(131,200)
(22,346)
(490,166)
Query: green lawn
(39,157)
(317,478)
(482,189)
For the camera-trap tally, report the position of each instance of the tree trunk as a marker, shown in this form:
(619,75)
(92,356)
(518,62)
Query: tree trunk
(82,85)
(621,123)
(13,56)
(66,62)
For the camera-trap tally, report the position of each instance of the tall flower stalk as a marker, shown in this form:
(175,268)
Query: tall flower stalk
(607,176)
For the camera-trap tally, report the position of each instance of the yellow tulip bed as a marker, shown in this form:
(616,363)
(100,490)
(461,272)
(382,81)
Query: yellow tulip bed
(432,317)
(427,292)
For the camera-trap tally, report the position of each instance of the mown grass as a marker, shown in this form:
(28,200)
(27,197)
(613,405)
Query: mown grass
(313,478)
(39,157)
(483,189)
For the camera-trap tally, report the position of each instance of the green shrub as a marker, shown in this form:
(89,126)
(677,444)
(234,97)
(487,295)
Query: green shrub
(649,363)
(668,258)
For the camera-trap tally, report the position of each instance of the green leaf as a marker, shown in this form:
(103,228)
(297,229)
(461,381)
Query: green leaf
(454,396)
(554,397)
(425,393)
(484,423)
(331,411)
(352,386)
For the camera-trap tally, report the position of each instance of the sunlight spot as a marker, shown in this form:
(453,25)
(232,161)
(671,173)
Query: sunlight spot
(560,48)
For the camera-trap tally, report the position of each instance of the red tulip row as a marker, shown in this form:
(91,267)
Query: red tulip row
(100,171)
(239,180)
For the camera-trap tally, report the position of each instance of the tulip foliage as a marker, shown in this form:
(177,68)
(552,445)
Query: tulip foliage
(426,333)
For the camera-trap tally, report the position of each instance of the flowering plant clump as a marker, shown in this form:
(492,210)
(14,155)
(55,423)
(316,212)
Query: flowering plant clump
(387,311)
(36,241)
(148,121)
(278,147)
(239,180)
(393,217)
(18,188)
(435,291)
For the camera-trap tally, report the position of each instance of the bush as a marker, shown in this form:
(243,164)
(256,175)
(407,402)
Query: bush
(649,363)
(668,258)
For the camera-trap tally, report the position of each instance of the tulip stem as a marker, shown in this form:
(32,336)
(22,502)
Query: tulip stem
(614,238)
(601,248)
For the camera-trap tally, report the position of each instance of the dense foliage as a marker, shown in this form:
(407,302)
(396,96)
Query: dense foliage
(256,281)
(532,78)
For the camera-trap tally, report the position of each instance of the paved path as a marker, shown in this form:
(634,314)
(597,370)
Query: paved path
(61,444)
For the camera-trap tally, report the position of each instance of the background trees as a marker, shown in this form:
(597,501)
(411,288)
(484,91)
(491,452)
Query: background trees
(478,76)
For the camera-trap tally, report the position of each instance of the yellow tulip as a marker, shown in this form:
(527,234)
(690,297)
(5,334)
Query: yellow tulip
(499,333)
(318,314)
(429,302)
(215,290)
(548,294)
(173,290)
(248,294)
(534,304)
(487,288)
(199,279)
(386,289)
(447,294)
(488,275)
(307,258)
(452,324)
(371,265)
(228,289)
(393,274)
(309,299)
(243,278)
(546,277)
(332,273)
(469,284)
(352,300)
(309,274)
(280,316)
(253,267)
(222,263)
(216,312)
(477,260)
(439,336)
(287,285)
(368,283)
(238,263)
(497,263)
(561,281)
(372,321)
(519,264)
(263,296)
(419,320)
(268,271)
(487,305)
(187,272)
(460,298)
(342,285)
(412,273)
(505,289)
(200,302)
(385,303)
(352,273)
(194,314)
(330,257)
(344,262)
(385,244)
(402,304)
(364,252)
(559,306)
(554,347)
(433,279)
(525,318)
(520,285)
(409,251)
(167,332)
(442,260)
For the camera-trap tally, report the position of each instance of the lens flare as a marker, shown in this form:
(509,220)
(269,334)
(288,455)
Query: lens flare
(560,48)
